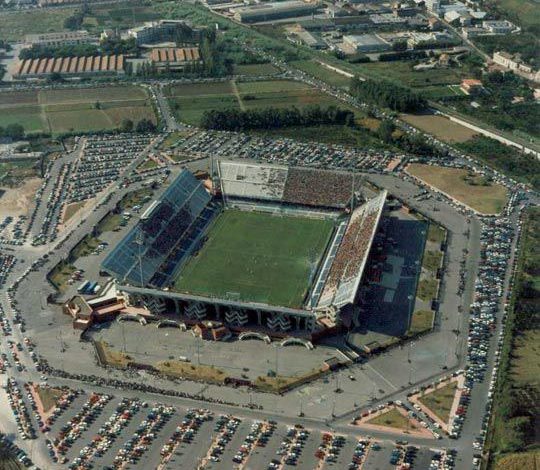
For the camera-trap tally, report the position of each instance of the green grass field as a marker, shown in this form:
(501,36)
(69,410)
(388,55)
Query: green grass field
(258,257)
(189,102)
(326,75)
(440,401)
(68,110)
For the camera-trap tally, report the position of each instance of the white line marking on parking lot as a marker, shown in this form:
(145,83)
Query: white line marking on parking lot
(381,376)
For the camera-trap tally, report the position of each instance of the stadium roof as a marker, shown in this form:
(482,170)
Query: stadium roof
(167,222)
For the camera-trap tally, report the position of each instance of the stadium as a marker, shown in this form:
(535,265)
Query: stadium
(276,249)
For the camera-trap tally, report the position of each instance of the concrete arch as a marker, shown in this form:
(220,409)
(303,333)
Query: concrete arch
(297,342)
(254,335)
(171,323)
(132,317)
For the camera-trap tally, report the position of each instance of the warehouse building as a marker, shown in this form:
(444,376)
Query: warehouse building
(365,43)
(171,58)
(274,11)
(71,66)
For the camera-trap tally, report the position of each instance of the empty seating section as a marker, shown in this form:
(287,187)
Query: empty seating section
(318,187)
(170,226)
(252,180)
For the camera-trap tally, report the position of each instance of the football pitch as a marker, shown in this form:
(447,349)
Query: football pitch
(257,257)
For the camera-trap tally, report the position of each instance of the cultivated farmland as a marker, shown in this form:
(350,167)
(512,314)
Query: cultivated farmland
(80,110)
(440,127)
(189,102)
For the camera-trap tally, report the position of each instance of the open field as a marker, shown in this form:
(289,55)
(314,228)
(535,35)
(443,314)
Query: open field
(522,461)
(440,127)
(82,109)
(326,75)
(60,274)
(472,190)
(524,12)
(255,69)
(258,257)
(526,362)
(189,102)
(14,25)
(402,72)
(440,401)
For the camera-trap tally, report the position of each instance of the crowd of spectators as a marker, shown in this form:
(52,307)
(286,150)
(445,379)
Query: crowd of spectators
(353,248)
(308,186)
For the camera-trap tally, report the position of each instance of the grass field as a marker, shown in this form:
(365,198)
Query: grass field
(427,289)
(421,320)
(440,127)
(440,401)
(522,461)
(432,260)
(255,69)
(392,419)
(49,396)
(526,359)
(258,257)
(402,72)
(14,25)
(326,75)
(189,102)
(468,189)
(67,110)
(436,233)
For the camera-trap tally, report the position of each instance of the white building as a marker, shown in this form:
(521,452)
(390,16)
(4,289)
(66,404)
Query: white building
(499,27)
(59,39)
(365,43)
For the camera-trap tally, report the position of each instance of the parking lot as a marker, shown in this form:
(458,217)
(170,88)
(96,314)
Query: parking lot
(107,431)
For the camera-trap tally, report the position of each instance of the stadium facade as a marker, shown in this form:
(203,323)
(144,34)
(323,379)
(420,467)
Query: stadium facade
(174,229)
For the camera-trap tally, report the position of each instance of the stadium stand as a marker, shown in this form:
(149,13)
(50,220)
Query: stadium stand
(347,268)
(252,180)
(164,234)
(318,187)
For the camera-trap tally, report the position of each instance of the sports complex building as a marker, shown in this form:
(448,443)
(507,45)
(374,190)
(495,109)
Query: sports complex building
(274,248)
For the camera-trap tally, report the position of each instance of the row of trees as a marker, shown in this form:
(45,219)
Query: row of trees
(272,118)
(387,94)
(507,159)
(143,126)
(109,46)
(13,131)
(75,21)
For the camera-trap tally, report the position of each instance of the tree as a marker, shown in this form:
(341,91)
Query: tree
(15,131)
(145,125)
(97,105)
(127,125)
(385,130)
